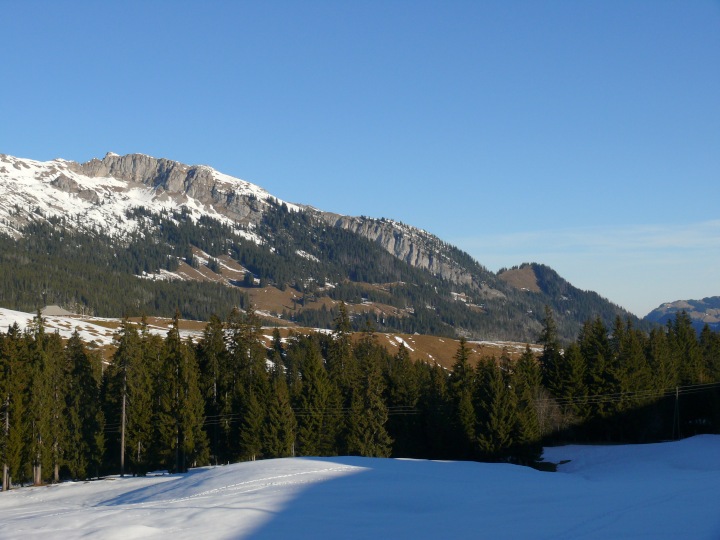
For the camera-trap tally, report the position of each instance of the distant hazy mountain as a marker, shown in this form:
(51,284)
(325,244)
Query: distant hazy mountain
(135,234)
(702,312)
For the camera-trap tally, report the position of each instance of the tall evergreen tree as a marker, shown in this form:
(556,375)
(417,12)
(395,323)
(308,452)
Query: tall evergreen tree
(498,403)
(13,389)
(281,425)
(596,350)
(550,359)
(461,390)
(43,447)
(366,432)
(130,402)
(403,390)
(663,364)
(216,385)
(436,413)
(85,420)
(685,347)
(318,407)
(571,389)
(342,364)
(526,382)
(179,435)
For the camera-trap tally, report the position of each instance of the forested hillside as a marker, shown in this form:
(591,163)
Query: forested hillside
(55,262)
(169,403)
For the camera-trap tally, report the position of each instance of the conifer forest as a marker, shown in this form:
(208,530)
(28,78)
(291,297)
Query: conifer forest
(167,403)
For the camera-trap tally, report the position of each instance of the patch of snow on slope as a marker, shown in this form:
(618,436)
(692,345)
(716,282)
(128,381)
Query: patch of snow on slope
(98,204)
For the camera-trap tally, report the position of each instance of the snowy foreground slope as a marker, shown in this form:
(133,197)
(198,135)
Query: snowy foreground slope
(669,490)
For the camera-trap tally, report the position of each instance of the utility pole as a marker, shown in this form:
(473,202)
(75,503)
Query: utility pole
(676,417)
(6,470)
(122,436)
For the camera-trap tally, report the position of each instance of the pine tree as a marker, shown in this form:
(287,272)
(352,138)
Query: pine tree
(13,391)
(435,409)
(342,364)
(41,445)
(461,390)
(496,426)
(180,437)
(663,364)
(318,407)
(685,347)
(249,386)
(216,387)
(572,390)
(526,381)
(402,396)
(596,350)
(632,370)
(550,359)
(281,426)
(252,423)
(710,347)
(130,406)
(366,432)
(85,420)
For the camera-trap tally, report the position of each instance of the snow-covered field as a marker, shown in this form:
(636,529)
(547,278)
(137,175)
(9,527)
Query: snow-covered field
(669,490)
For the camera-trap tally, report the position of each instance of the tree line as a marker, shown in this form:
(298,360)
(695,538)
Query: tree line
(168,403)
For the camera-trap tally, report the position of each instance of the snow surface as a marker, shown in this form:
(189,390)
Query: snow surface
(90,329)
(658,491)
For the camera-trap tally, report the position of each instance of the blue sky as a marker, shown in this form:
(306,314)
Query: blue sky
(581,135)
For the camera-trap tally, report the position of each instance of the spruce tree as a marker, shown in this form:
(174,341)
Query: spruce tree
(319,407)
(216,387)
(498,402)
(572,390)
(41,452)
(130,405)
(281,425)
(13,382)
(342,364)
(550,358)
(402,396)
(526,381)
(663,364)
(461,390)
(85,420)
(366,432)
(180,415)
(685,347)
(633,370)
(252,423)
(435,408)
(601,382)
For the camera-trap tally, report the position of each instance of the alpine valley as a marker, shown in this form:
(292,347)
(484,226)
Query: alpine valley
(133,235)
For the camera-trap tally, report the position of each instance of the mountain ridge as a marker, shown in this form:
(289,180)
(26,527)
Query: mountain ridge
(701,312)
(167,208)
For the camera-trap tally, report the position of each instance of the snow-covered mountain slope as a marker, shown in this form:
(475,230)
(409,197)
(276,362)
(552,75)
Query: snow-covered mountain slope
(97,195)
(659,491)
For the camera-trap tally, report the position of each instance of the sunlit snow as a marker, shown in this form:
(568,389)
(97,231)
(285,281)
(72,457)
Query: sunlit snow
(658,491)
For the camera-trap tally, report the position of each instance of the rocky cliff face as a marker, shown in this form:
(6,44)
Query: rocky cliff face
(413,246)
(236,199)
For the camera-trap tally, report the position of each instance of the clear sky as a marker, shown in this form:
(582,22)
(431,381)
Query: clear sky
(581,135)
